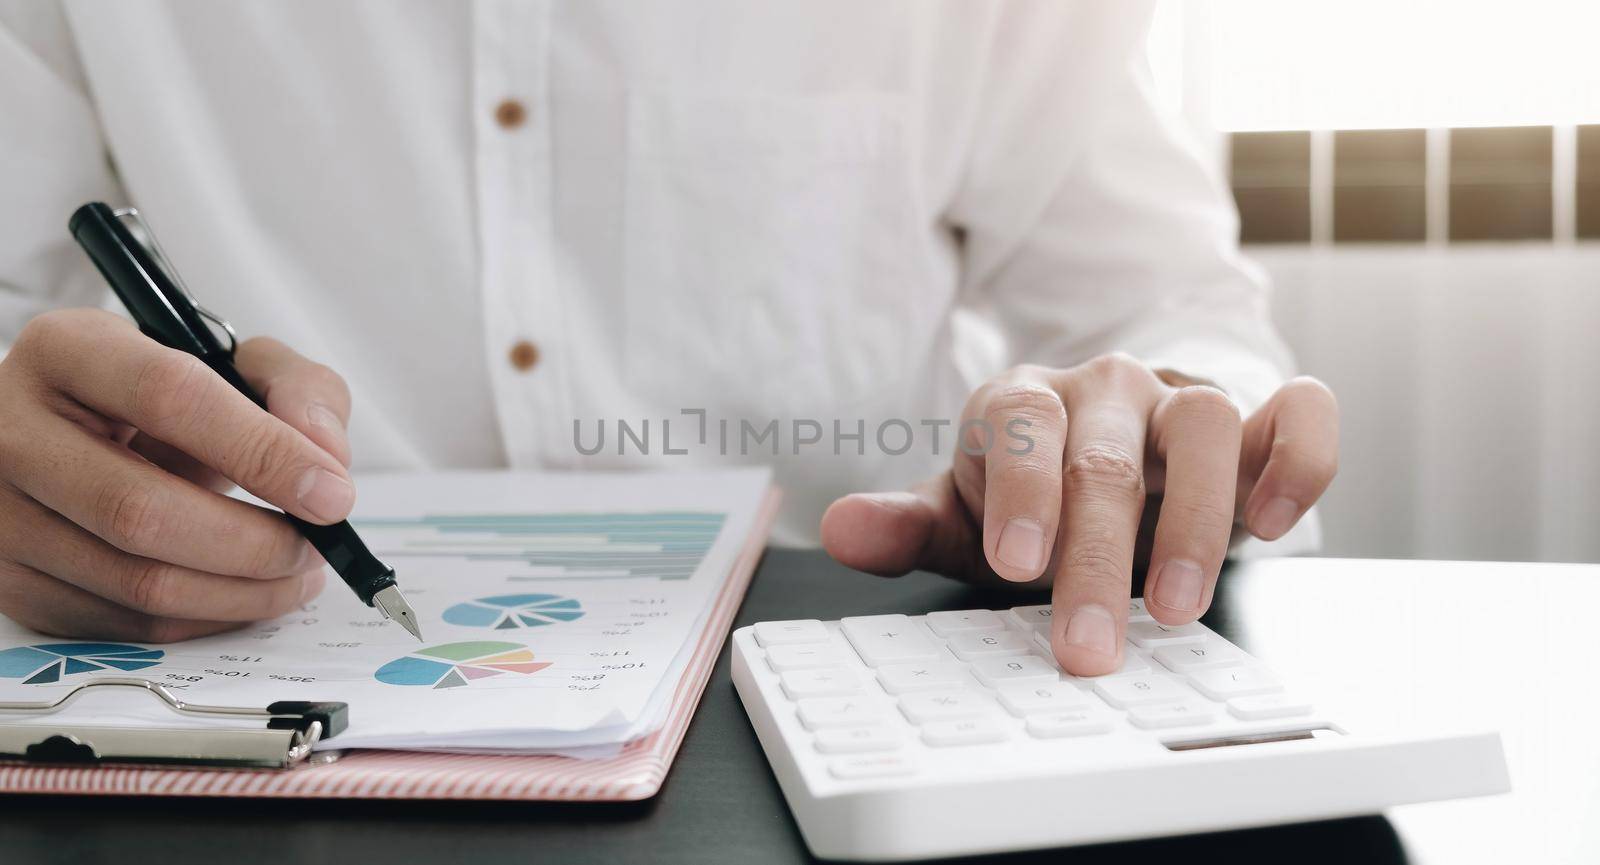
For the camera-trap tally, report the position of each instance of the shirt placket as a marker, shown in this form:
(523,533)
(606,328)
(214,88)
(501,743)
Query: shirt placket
(513,153)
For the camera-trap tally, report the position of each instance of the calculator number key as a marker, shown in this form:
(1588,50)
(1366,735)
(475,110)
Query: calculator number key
(1187,657)
(1125,691)
(1034,619)
(1033,699)
(1132,662)
(1153,634)
(970,647)
(995,672)
(1186,713)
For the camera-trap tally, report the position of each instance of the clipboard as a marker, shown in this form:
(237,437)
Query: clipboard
(285,734)
(636,773)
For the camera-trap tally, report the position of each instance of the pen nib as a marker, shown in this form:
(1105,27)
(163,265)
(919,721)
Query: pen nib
(393,605)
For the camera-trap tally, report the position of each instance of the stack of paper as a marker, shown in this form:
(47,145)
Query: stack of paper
(559,613)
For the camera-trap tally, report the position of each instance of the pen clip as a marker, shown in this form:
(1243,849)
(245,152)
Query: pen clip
(130,219)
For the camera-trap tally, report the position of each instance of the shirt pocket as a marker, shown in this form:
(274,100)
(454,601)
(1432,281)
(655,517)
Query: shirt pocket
(767,247)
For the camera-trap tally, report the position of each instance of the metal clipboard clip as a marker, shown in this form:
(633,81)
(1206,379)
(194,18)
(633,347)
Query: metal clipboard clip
(286,739)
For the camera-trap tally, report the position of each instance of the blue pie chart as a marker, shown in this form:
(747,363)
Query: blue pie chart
(507,612)
(51,662)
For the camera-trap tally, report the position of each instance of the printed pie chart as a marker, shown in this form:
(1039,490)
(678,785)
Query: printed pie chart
(506,612)
(455,665)
(51,662)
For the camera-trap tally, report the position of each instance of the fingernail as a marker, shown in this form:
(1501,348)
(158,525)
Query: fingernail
(1179,585)
(320,415)
(1276,517)
(325,495)
(1021,545)
(315,581)
(1094,628)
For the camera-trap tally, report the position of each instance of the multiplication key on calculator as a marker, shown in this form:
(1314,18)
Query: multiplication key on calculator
(906,737)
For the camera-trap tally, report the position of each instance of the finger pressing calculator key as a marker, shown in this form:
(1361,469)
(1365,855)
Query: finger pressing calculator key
(899,737)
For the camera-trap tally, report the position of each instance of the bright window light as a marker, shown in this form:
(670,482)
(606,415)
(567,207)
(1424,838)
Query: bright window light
(1362,64)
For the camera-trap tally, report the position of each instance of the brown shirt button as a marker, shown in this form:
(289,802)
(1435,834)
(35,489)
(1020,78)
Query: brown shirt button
(524,355)
(510,114)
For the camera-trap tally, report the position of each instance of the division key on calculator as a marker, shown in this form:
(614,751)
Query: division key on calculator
(901,737)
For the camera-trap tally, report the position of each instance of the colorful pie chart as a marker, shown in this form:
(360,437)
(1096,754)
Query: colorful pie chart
(51,662)
(506,612)
(455,665)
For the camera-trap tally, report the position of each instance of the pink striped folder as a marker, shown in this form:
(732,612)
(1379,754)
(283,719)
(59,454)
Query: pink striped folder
(636,773)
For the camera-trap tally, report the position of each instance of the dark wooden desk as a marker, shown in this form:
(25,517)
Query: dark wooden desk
(1508,645)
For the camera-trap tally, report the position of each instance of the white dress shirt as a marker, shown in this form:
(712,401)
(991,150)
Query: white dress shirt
(500,218)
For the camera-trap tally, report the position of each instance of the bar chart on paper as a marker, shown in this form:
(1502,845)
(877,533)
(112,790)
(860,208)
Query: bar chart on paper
(666,545)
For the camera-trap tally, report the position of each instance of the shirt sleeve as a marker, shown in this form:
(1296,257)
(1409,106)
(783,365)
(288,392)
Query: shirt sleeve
(1091,224)
(52,159)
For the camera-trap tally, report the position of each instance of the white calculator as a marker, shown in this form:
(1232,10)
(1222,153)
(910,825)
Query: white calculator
(907,737)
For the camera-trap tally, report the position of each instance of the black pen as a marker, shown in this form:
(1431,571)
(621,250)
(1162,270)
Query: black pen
(128,256)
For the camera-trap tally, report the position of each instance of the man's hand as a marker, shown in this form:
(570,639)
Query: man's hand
(1065,510)
(114,454)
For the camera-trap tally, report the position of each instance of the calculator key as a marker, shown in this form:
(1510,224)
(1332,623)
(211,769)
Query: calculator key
(970,731)
(872,766)
(857,740)
(922,708)
(799,684)
(1187,713)
(1137,612)
(1230,682)
(888,640)
(1189,657)
(970,647)
(1132,662)
(1059,725)
(789,633)
(1261,706)
(905,678)
(1040,631)
(1153,634)
(1034,699)
(820,713)
(952,621)
(802,656)
(1125,691)
(995,672)
(1032,618)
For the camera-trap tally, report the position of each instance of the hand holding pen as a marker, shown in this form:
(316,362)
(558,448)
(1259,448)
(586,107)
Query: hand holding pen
(114,454)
